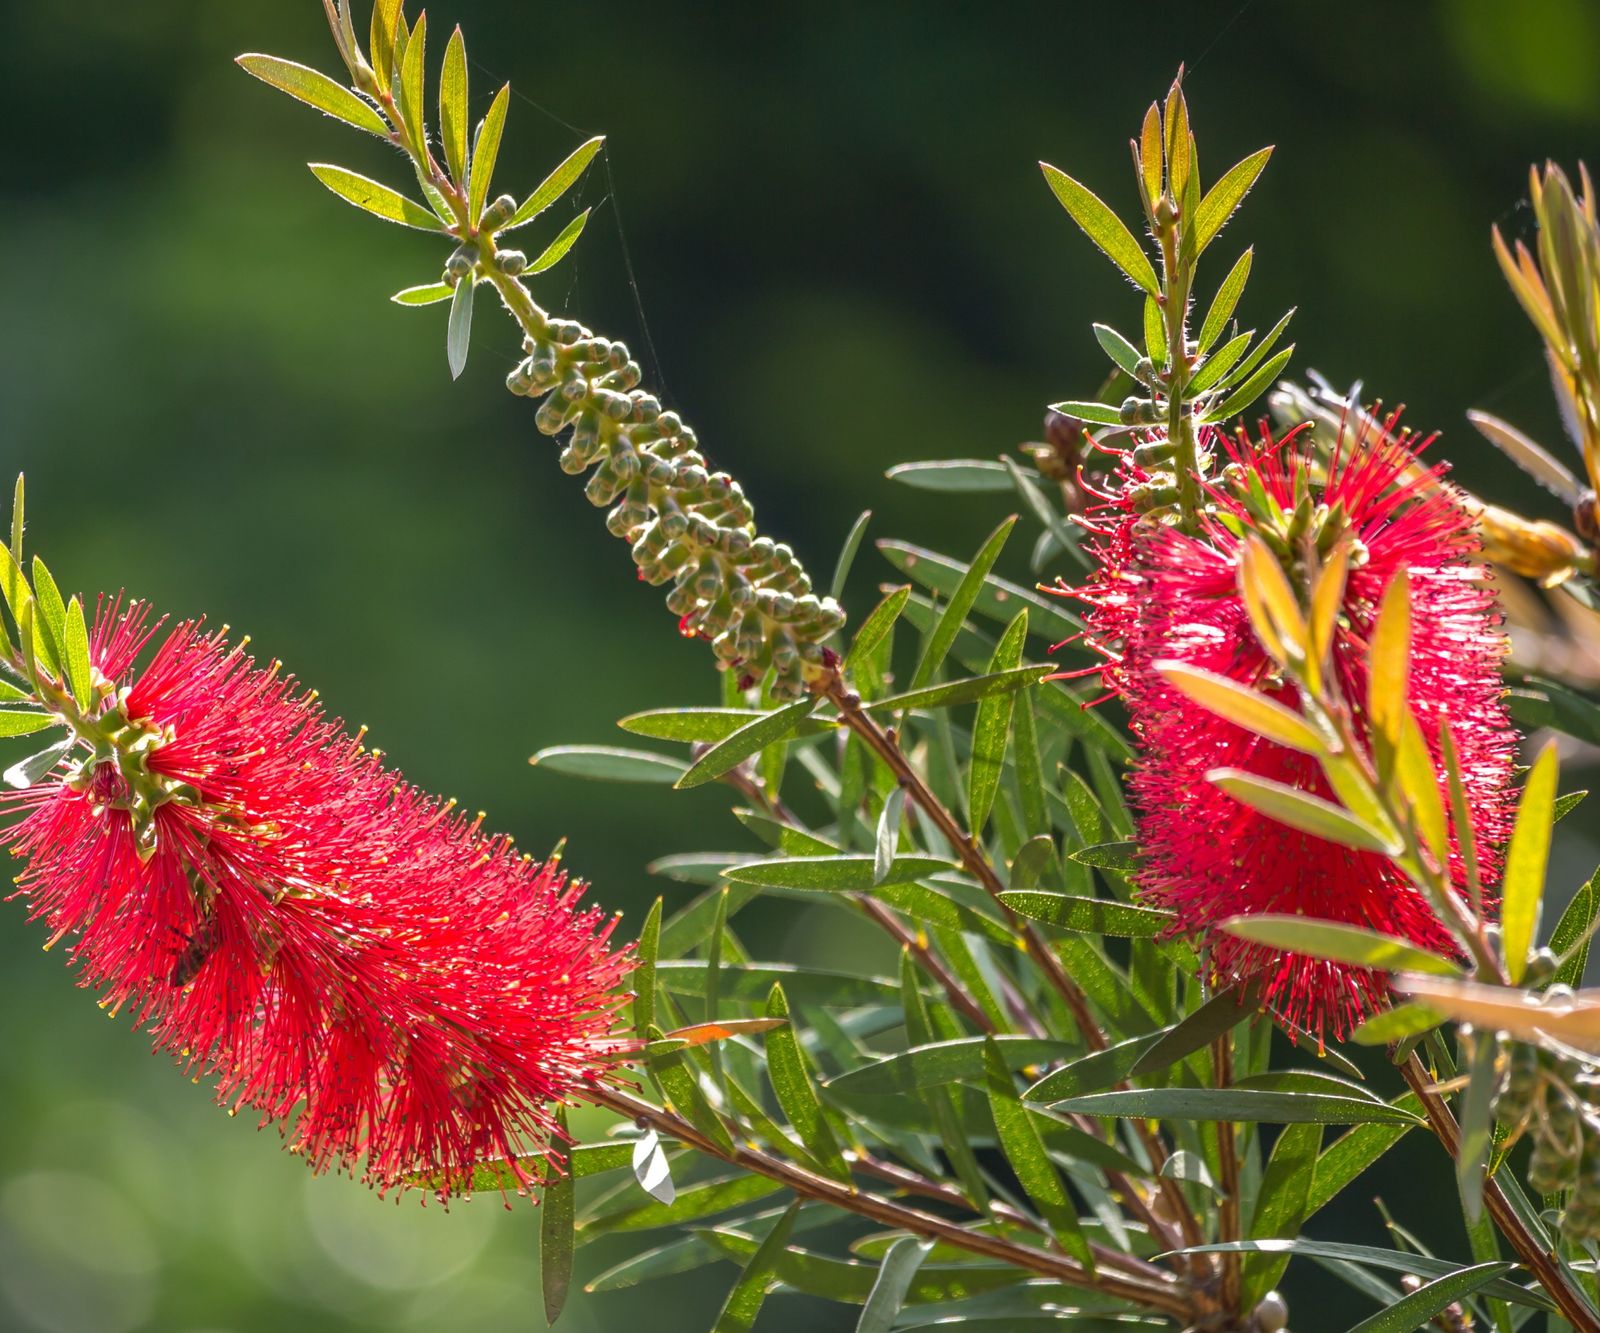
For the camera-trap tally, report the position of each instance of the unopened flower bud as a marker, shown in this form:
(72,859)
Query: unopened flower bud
(510,262)
(498,213)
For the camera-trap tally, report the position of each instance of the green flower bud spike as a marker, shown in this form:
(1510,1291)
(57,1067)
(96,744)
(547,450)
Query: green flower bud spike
(688,526)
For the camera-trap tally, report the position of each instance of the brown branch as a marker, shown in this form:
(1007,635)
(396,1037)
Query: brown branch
(1545,1266)
(1167,1297)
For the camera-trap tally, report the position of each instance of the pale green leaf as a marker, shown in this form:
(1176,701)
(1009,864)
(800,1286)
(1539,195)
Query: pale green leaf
(315,89)
(1103,227)
(375,198)
(556,184)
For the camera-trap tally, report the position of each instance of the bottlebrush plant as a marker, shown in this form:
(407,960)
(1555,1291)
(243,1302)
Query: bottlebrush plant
(1165,990)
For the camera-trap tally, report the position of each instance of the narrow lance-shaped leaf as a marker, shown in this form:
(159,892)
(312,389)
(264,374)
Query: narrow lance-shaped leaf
(847,554)
(796,1094)
(1240,398)
(1281,1203)
(51,617)
(651,1169)
(1571,937)
(1103,227)
(1243,706)
(1097,414)
(1225,196)
(1225,301)
(1340,943)
(1219,1015)
(610,763)
(1300,810)
(644,972)
(556,251)
(750,739)
(453,106)
(888,839)
(956,692)
(960,603)
(486,150)
(878,624)
(458,336)
(375,197)
(556,1230)
(380,47)
(75,654)
(894,1279)
(992,727)
(1477,1124)
(413,75)
(429,293)
(1389,660)
(1522,887)
(1417,1309)
(745,1300)
(315,89)
(556,184)
(1118,348)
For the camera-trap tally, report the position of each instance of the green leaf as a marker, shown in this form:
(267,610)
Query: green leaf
(888,836)
(556,184)
(836,874)
(375,198)
(1422,1305)
(1119,856)
(1241,397)
(688,1205)
(1565,804)
(1477,1125)
(965,691)
(680,1083)
(960,602)
(1118,348)
(1402,1261)
(1220,1014)
(1093,916)
(27,772)
(52,616)
(894,1279)
(878,624)
(796,1094)
(1544,703)
(1025,1153)
(16,523)
(429,293)
(973,476)
(1570,940)
(556,251)
(1220,362)
(485,151)
(1103,227)
(413,77)
(1352,1153)
(1299,810)
(753,737)
(643,979)
(991,728)
(609,763)
(453,106)
(941,1062)
(1404,1020)
(847,554)
(695,725)
(1225,196)
(1340,943)
(315,89)
(385,18)
(1522,885)
(17,723)
(458,338)
(1248,1105)
(1225,301)
(1097,414)
(1090,1073)
(745,1300)
(75,652)
(556,1236)
(1280,1205)
(998,598)
(1155,332)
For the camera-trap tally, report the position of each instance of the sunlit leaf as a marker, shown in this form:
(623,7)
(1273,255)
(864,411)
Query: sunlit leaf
(1300,810)
(1095,916)
(750,739)
(960,691)
(556,184)
(1238,1104)
(991,728)
(429,293)
(453,106)
(556,1211)
(1338,942)
(959,603)
(966,475)
(1103,227)
(1244,707)
(879,623)
(1220,1014)
(1522,885)
(556,251)
(888,1293)
(796,1094)
(609,763)
(1225,301)
(486,150)
(458,337)
(375,198)
(1224,197)
(1422,1305)
(315,89)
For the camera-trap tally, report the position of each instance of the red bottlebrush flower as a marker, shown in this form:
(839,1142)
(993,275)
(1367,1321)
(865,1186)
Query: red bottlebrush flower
(288,915)
(1163,594)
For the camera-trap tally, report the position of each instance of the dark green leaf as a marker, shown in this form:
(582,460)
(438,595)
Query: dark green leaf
(1090,1073)
(1103,227)
(1477,1127)
(1220,1014)
(1421,1306)
(878,624)
(1544,703)
(556,184)
(1240,1104)
(745,1300)
(689,1205)
(840,874)
(750,982)
(960,602)
(555,1236)
(643,979)
(375,198)
(888,1293)
(1097,414)
(608,763)
(941,1062)
(1280,1204)
(991,728)
(847,554)
(961,691)
(1566,804)
(556,251)
(796,1094)
(314,89)
(1095,916)
(976,476)
(753,737)
(1570,940)
(1119,856)
(998,598)
(1352,1153)
(696,867)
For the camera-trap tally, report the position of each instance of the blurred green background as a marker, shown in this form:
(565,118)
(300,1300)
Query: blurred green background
(846,259)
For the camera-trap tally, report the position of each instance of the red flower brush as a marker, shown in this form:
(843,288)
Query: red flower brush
(290,916)
(1164,595)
